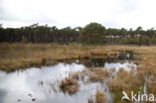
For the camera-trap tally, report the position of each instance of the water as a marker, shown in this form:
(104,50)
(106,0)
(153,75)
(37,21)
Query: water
(41,85)
(100,60)
(18,85)
(128,66)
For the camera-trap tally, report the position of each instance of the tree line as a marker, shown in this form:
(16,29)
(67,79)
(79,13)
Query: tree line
(93,33)
(38,34)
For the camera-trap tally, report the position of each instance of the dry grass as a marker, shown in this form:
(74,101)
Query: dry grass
(69,85)
(75,75)
(22,55)
(126,81)
(98,74)
(95,74)
(17,56)
(100,97)
(90,100)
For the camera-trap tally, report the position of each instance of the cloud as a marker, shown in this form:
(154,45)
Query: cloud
(126,6)
(110,13)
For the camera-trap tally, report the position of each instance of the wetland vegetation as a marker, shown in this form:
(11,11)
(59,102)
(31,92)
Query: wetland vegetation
(109,69)
(79,68)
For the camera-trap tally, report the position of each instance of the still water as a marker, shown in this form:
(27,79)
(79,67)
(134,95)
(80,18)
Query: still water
(41,85)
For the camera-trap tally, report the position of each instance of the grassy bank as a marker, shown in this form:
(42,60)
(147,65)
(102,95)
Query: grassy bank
(23,55)
(19,56)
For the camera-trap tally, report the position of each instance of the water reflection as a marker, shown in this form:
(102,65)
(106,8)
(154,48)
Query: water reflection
(41,85)
(128,66)
(18,85)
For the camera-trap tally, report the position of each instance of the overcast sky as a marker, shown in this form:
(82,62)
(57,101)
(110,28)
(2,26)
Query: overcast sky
(62,13)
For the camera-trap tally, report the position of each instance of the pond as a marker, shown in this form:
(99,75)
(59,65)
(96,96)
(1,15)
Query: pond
(41,85)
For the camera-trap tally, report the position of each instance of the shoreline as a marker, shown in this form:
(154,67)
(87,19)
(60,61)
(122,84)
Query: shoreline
(24,55)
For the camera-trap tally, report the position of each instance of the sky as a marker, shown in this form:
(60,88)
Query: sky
(63,13)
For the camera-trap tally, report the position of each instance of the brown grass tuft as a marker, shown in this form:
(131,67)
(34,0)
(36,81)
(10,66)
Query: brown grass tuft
(126,81)
(69,85)
(98,74)
(90,100)
(100,97)
(75,75)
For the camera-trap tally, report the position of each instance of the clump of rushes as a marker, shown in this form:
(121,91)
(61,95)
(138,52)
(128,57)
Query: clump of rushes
(100,97)
(94,77)
(69,85)
(75,75)
(90,100)
(126,81)
(147,73)
(98,74)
